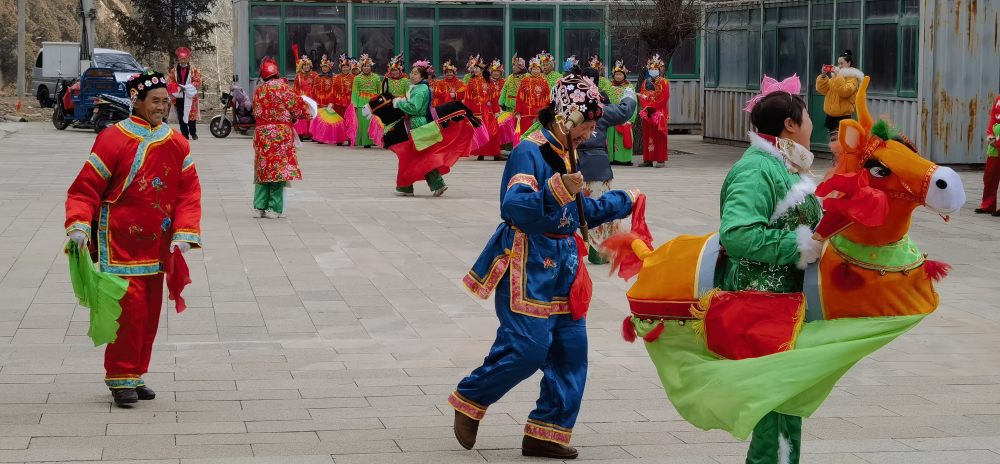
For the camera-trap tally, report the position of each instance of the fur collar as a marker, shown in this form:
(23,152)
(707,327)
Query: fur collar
(798,193)
(759,142)
(852,72)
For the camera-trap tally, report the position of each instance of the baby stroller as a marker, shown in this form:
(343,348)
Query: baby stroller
(242,114)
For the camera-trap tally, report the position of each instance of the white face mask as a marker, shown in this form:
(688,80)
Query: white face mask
(654,73)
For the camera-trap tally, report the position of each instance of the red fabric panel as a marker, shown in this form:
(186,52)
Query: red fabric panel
(178,277)
(741,325)
(442,156)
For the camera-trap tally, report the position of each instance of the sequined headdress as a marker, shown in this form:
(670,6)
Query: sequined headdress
(496,65)
(477,61)
(325,61)
(596,63)
(655,62)
(302,60)
(365,60)
(544,57)
(620,67)
(396,62)
(448,65)
(573,94)
(517,60)
(354,63)
(535,62)
(344,61)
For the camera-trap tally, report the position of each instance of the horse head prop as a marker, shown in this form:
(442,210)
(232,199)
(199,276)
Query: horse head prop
(886,181)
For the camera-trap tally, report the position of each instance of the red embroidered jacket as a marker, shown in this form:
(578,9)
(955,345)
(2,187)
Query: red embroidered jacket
(443,89)
(532,96)
(138,191)
(478,94)
(657,101)
(343,85)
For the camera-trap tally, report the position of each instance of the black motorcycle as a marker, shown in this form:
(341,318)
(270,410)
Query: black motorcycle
(109,110)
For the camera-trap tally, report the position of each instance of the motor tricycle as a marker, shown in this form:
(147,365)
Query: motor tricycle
(237,101)
(76,99)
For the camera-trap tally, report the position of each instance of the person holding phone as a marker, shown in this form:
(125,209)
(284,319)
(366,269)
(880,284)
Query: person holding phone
(840,86)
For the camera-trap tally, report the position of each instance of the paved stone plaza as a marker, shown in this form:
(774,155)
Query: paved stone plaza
(336,333)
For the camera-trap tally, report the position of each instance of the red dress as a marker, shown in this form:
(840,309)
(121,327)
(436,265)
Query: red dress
(306,85)
(343,84)
(324,90)
(479,92)
(655,114)
(445,87)
(532,96)
(137,192)
(275,106)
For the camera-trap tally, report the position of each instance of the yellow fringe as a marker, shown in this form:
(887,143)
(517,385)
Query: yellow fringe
(700,311)
(800,319)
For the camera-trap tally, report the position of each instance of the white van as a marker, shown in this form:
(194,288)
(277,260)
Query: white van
(43,81)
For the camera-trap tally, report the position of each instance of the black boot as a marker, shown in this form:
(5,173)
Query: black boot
(124,396)
(145,393)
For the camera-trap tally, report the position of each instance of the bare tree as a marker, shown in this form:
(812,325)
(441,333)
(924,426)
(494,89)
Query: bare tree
(643,28)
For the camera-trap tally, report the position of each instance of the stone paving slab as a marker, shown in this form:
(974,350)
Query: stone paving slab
(333,335)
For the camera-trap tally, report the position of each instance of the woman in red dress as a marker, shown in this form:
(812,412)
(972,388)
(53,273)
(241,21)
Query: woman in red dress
(479,94)
(655,114)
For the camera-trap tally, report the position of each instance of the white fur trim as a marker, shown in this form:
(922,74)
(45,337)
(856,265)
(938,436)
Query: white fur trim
(784,450)
(809,249)
(851,72)
(803,188)
(759,142)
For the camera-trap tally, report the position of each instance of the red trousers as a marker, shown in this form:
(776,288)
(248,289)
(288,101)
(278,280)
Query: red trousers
(654,143)
(991,181)
(127,359)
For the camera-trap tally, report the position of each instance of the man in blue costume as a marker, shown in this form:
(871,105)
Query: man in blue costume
(534,261)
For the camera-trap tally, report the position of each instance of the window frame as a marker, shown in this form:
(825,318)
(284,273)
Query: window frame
(564,26)
(406,24)
(356,23)
(509,18)
(900,21)
(280,22)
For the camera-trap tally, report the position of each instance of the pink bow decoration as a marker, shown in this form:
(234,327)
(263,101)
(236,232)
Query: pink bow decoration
(791,85)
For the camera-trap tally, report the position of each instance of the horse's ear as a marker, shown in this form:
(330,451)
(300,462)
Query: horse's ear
(853,137)
(385,84)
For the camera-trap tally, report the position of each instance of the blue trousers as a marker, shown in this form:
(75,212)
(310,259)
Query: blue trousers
(557,345)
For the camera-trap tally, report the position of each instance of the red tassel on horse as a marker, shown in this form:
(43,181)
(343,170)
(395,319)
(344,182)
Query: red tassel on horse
(936,270)
(654,334)
(628,330)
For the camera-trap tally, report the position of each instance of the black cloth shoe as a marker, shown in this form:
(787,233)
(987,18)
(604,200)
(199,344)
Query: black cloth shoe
(982,211)
(124,396)
(532,446)
(194,136)
(995,214)
(145,393)
(647,164)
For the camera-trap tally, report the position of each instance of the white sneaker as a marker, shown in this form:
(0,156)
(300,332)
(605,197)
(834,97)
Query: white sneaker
(273,215)
(440,191)
(661,164)
(260,213)
(403,194)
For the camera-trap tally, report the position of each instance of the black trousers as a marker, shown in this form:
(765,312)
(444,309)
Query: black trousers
(189,129)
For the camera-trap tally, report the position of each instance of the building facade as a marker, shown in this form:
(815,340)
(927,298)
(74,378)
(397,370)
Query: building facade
(934,64)
(439,31)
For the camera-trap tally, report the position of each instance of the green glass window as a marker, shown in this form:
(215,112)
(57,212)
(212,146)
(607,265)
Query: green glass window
(881,57)
(314,41)
(265,43)
(265,12)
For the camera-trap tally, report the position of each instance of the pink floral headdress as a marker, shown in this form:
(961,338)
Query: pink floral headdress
(770,85)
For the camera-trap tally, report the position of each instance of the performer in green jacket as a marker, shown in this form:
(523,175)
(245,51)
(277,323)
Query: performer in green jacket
(620,143)
(367,86)
(769,211)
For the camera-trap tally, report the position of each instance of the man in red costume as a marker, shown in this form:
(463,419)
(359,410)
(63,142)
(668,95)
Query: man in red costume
(991,178)
(185,96)
(139,191)
(655,114)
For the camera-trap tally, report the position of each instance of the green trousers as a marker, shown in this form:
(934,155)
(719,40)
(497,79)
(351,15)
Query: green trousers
(434,180)
(269,196)
(776,435)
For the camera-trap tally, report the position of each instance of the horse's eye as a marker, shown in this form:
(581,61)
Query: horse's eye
(877,169)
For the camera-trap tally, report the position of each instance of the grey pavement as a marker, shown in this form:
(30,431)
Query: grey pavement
(336,333)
